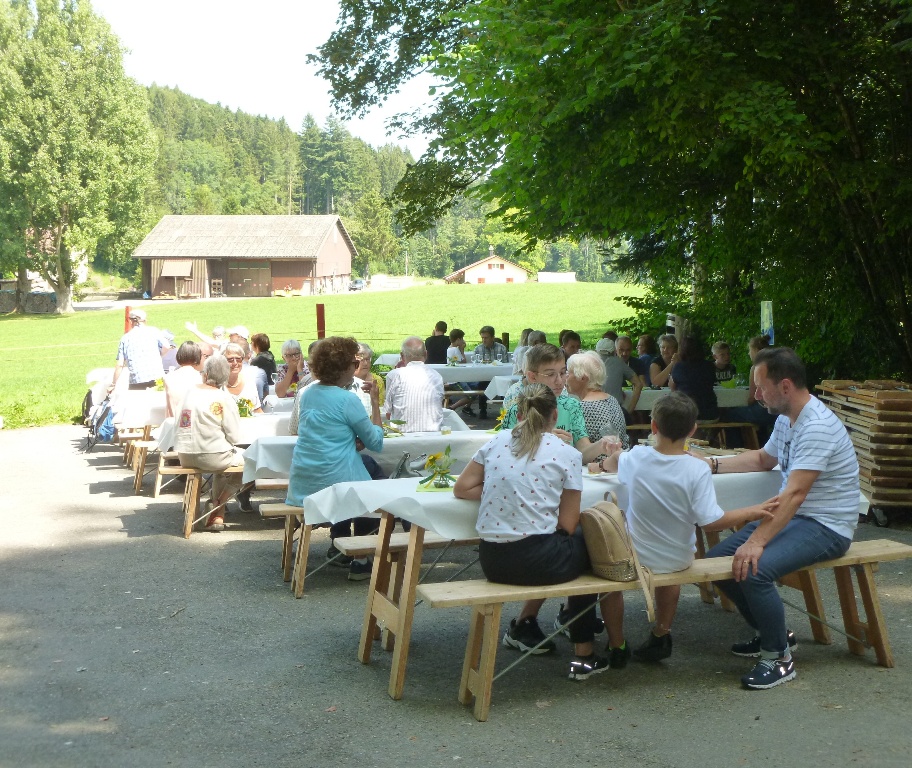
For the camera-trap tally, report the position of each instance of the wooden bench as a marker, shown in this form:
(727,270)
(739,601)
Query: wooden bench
(191,502)
(141,450)
(748,430)
(271,484)
(487,598)
(165,469)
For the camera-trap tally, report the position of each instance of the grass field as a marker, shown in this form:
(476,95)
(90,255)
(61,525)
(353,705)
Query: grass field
(43,380)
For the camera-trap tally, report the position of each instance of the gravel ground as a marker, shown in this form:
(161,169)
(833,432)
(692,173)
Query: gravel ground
(121,643)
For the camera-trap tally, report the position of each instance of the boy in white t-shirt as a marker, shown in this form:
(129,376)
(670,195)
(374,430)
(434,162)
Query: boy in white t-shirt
(670,493)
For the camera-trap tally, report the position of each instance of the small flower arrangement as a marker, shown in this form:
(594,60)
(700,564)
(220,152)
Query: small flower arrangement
(498,424)
(159,385)
(245,407)
(439,464)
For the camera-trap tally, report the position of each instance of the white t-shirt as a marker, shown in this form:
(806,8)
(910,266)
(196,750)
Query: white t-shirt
(521,497)
(455,353)
(669,495)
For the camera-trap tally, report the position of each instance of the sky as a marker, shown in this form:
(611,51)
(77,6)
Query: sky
(247,55)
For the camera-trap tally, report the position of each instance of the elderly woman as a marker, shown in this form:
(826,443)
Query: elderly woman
(241,384)
(660,368)
(331,418)
(295,370)
(190,359)
(601,411)
(208,426)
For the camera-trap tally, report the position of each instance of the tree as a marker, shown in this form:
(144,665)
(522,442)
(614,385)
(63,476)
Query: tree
(747,151)
(78,138)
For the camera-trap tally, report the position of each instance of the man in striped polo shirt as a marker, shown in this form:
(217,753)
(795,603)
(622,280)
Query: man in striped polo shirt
(414,393)
(815,519)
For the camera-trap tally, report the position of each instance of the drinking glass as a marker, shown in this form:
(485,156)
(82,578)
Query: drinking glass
(276,378)
(476,358)
(499,357)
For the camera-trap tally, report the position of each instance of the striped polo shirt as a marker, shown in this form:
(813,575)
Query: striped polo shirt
(818,441)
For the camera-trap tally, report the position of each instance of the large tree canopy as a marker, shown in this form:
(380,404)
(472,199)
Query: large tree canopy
(77,147)
(749,150)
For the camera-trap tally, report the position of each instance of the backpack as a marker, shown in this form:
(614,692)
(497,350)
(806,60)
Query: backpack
(611,550)
(87,408)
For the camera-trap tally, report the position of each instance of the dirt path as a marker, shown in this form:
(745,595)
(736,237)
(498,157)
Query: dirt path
(122,644)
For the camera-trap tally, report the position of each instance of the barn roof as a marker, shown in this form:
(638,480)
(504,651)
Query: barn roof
(240,237)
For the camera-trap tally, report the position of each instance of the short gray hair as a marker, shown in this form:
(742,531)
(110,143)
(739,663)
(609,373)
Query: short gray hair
(536,337)
(292,345)
(215,371)
(366,351)
(413,349)
(590,365)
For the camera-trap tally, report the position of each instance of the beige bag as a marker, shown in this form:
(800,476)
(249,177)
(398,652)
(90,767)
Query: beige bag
(611,550)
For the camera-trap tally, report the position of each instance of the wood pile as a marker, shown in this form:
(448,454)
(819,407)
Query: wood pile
(878,416)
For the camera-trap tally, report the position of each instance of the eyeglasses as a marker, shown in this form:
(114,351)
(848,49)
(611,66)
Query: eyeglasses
(292,356)
(134,318)
(234,360)
(551,375)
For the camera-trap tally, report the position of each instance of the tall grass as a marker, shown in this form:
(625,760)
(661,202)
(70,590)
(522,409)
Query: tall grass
(48,356)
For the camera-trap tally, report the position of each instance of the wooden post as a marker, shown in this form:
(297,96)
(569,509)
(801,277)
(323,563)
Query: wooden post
(505,338)
(127,311)
(321,321)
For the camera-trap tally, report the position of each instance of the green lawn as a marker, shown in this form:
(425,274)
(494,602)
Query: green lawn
(43,381)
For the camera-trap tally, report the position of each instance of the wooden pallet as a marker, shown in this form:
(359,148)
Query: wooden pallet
(878,416)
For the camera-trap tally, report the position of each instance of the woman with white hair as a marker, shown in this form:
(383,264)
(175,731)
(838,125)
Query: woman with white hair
(208,427)
(241,384)
(294,373)
(601,411)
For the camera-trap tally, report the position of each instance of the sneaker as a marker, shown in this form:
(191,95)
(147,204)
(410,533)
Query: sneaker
(654,649)
(751,648)
(525,635)
(564,615)
(769,673)
(337,558)
(582,668)
(467,411)
(359,571)
(618,657)
(245,505)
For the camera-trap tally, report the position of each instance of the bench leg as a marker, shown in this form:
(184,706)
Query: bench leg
(481,653)
(749,436)
(874,629)
(156,488)
(707,594)
(287,542)
(394,592)
(378,599)
(300,564)
(191,502)
(806,583)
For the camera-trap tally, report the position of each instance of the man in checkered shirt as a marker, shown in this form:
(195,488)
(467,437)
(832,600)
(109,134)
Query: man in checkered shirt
(140,351)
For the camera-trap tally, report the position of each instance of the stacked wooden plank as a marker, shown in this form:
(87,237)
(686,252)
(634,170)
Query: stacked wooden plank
(878,415)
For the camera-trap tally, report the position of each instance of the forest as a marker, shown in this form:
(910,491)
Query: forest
(212,160)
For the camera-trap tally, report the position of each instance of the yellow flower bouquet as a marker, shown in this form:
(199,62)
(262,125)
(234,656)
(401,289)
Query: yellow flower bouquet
(245,407)
(439,464)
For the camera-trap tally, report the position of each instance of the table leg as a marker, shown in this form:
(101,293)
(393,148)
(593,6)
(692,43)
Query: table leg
(410,572)
(300,565)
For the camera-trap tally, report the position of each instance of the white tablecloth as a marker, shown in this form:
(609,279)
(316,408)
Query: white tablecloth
(453,374)
(135,408)
(273,404)
(499,386)
(270,457)
(454,518)
(252,429)
(390,359)
(725,396)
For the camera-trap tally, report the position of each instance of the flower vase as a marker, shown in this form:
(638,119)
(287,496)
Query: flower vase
(441,481)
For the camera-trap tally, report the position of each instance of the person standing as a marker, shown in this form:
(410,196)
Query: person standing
(140,352)
(815,519)
(437,344)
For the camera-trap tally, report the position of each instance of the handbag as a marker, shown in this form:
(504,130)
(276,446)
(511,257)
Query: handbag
(611,551)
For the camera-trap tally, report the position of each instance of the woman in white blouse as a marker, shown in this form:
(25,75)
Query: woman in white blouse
(529,483)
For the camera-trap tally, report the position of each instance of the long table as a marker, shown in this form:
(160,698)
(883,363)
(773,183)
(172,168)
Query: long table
(270,457)
(726,397)
(253,428)
(455,374)
(391,595)
(137,408)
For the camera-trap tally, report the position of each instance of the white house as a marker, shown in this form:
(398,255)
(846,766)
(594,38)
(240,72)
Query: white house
(491,270)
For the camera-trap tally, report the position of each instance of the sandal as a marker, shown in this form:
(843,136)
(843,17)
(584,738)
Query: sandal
(215,524)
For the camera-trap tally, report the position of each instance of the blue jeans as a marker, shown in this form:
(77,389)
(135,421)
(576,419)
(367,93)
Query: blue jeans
(802,542)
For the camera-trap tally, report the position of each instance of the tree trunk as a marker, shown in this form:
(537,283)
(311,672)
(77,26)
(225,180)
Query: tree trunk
(23,287)
(64,295)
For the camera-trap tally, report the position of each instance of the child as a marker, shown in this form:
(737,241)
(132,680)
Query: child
(725,370)
(670,493)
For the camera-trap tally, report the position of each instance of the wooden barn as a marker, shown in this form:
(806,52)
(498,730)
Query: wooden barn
(246,255)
